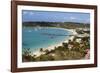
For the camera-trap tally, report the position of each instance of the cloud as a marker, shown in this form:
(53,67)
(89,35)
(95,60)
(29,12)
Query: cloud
(25,12)
(72,18)
(31,13)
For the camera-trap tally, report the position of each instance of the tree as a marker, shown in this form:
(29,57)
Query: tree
(65,45)
(41,49)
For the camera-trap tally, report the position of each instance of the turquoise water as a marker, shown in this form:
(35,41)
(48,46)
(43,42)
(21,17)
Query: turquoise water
(36,38)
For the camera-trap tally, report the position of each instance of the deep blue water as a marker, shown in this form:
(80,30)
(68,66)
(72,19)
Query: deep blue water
(35,38)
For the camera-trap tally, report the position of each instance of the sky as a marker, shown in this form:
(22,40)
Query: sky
(52,16)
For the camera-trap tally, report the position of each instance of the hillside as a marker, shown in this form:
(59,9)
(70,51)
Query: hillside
(56,24)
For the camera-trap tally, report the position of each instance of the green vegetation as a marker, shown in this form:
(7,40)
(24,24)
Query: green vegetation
(72,50)
(27,55)
(68,25)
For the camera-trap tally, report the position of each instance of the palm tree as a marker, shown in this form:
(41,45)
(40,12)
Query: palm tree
(41,49)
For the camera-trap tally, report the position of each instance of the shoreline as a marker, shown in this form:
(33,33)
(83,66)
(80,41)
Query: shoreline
(38,53)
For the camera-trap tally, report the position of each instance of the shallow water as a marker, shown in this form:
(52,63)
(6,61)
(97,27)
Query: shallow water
(36,38)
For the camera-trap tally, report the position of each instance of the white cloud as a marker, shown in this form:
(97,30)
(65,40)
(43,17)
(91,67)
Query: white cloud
(31,13)
(72,18)
(25,12)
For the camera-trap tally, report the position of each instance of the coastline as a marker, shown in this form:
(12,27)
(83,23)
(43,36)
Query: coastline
(38,53)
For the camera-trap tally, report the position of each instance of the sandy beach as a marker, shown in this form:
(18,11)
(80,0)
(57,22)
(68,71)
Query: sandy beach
(38,53)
